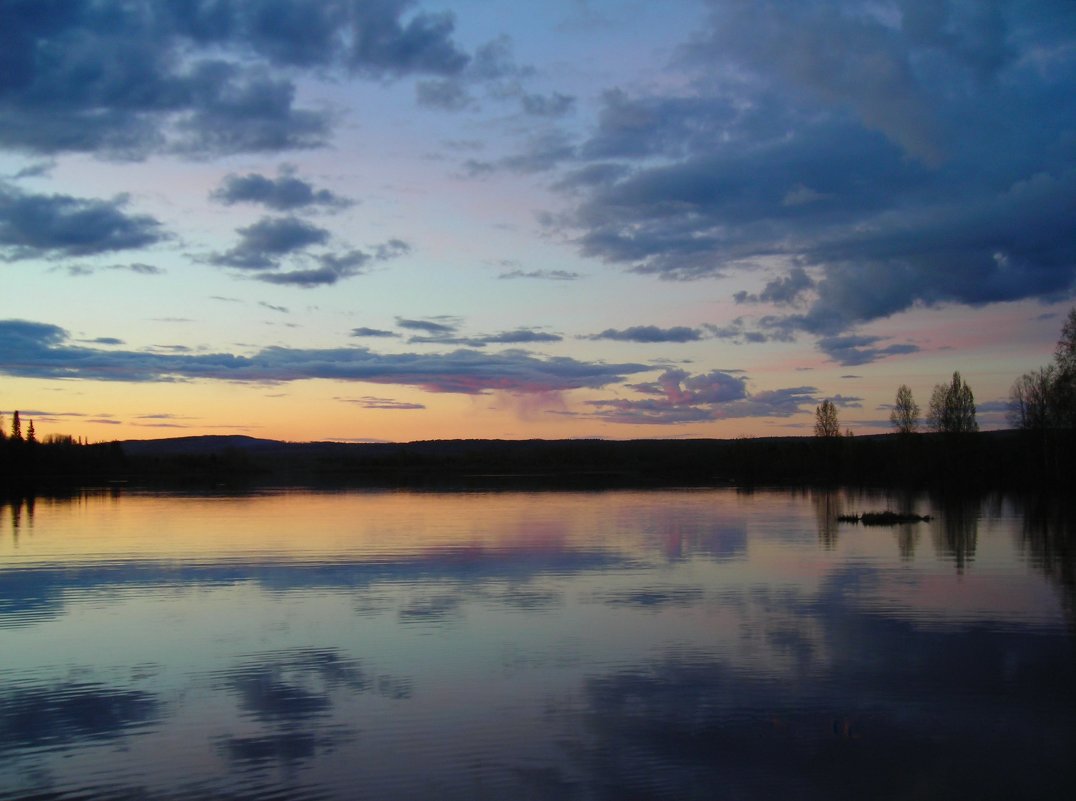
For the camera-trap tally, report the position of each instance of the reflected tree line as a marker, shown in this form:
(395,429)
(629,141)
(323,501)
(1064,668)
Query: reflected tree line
(1048,535)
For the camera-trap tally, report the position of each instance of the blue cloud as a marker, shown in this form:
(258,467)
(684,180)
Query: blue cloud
(49,226)
(40,350)
(128,78)
(925,160)
(650,333)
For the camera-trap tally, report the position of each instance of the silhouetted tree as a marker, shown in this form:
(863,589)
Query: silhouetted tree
(1046,399)
(825,420)
(16,426)
(952,407)
(1033,400)
(905,414)
(1065,381)
(31,435)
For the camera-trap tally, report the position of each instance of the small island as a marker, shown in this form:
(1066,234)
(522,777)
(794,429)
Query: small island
(886,518)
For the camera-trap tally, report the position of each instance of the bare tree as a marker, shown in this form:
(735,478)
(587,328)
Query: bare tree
(952,407)
(905,414)
(1032,400)
(825,420)
(1064,388)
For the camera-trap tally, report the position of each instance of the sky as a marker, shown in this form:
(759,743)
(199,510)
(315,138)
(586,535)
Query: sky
(384,220)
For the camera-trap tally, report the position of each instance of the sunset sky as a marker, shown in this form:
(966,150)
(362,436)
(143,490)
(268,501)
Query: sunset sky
(368,220)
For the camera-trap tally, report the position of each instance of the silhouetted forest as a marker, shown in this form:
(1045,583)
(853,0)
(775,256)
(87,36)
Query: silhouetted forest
(1018,460)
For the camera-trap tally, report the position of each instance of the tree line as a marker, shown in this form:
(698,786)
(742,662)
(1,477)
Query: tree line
(16,429)
(1042,410)
(1043,400)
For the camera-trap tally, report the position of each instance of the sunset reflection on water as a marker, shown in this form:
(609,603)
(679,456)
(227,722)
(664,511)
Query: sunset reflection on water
(541,644)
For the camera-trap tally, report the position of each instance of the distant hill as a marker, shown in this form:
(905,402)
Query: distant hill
(196,445)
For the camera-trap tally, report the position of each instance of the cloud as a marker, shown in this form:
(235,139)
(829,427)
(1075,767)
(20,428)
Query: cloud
(520,336)
(40,350)
(444,95)
(264,242)
(543,275)
(783,291)
(371,402)
(896,170)
(128,78)
(284,193)
(650,333)
(493,68)
(264,246)
(54,226)
(851,350)
(330,269)
(363,331)
(551,105)
(444,330)
(678,397)
(438,325)
(392,249)
(544,151)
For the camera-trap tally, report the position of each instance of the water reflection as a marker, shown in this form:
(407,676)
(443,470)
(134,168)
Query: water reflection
(70,712)
(1049,538)
(542,645)
(828,506)
(957,532)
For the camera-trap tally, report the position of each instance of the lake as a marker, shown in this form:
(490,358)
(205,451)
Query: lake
(670,644)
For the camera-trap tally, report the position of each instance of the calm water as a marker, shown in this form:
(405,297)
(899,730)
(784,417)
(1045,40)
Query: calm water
(675,644)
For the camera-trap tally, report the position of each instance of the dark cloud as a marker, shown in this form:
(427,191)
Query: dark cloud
(268,242)
(263,243)
(494,69)
(783,291)
(363,331)
(445,331)
(40,350)
(49,226)
(137,268)
(635,127)
(127,78)
(436,326)
(926,160)
(650,333)
(851,350)
(284,193)
(330,269)
(271,307)
(520,336)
